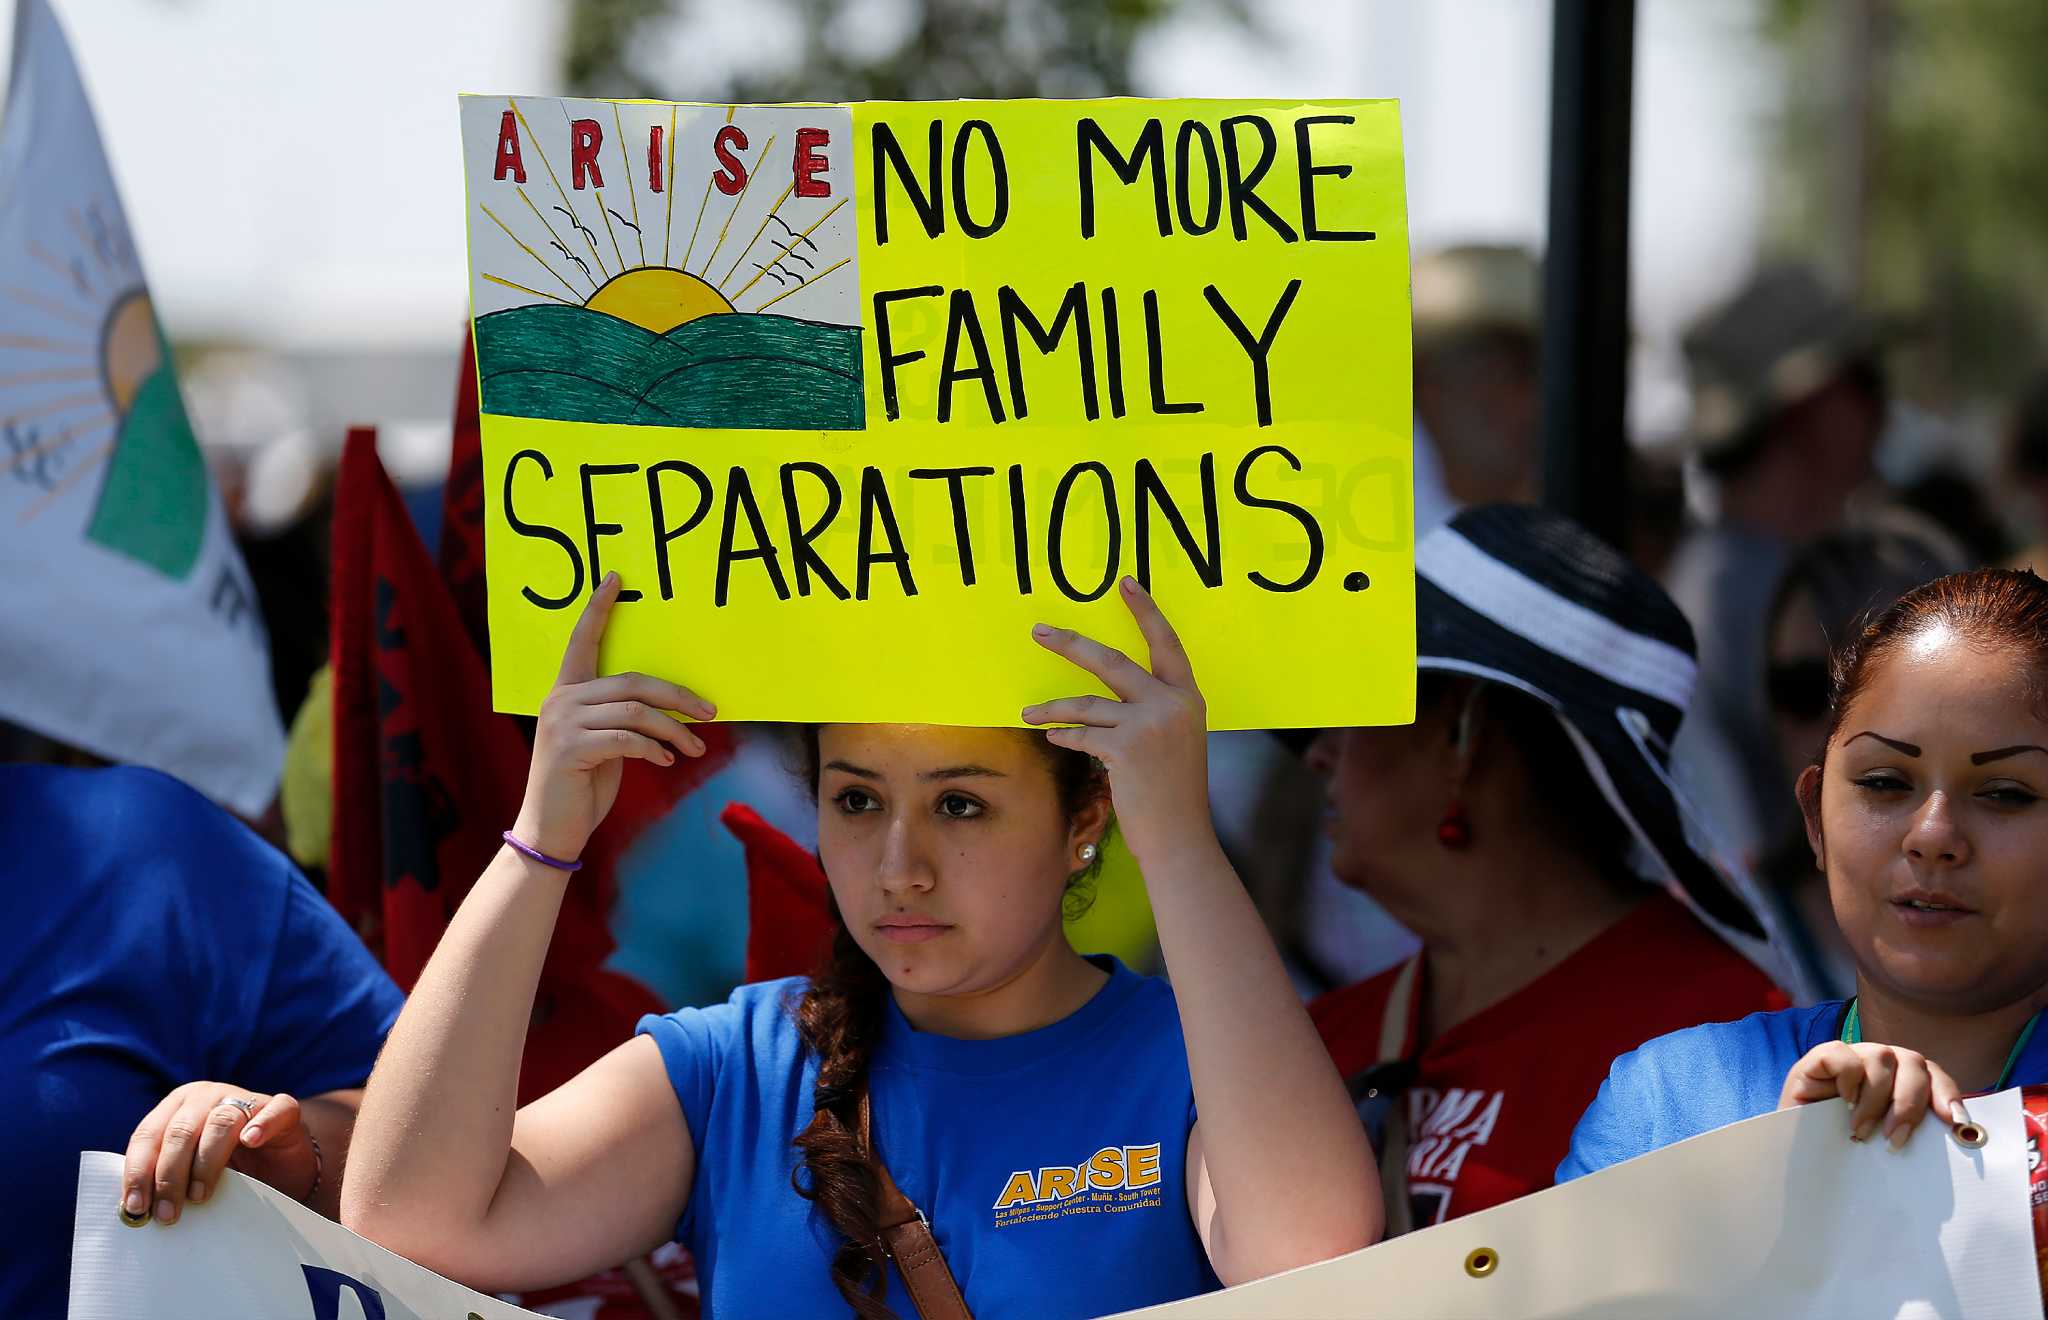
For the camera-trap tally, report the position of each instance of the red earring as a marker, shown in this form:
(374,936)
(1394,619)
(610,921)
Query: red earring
(1454,831)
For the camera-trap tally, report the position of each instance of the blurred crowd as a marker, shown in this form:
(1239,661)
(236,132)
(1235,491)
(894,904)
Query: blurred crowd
(1433,937)
(1768,520)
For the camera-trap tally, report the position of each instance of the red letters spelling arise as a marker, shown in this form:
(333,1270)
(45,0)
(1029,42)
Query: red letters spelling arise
(585,137)
(732,175)
(654,159)
(809,164)
(508,150)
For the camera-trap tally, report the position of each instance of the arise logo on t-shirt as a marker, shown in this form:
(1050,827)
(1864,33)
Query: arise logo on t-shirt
(1111,1181)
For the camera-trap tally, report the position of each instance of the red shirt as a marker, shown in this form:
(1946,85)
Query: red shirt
(1490,1104)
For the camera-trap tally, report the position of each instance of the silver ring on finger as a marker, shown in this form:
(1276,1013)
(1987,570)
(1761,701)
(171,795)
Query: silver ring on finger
(248,1107)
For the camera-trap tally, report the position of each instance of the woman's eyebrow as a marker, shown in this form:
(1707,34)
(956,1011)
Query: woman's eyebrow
(857,771)
(963,772)
(1986,758)
(1910,749)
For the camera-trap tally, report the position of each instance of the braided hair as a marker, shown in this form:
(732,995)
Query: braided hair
(839,1018)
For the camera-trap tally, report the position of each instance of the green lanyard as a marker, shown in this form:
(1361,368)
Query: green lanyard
(1852,1034)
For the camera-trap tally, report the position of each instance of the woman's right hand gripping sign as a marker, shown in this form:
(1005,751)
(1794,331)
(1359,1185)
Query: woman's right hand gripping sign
(587,726)
(1885,1086)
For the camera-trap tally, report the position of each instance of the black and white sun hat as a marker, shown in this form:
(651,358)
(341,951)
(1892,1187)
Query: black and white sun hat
(1527,598)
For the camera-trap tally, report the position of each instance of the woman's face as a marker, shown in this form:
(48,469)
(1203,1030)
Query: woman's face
(947,850)
(1387,788)
(1932,828)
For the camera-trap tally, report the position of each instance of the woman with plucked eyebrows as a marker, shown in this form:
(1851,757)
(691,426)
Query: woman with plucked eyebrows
(1080,1140)
(1924,808)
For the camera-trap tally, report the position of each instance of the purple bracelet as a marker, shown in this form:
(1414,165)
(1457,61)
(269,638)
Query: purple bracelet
(541,857)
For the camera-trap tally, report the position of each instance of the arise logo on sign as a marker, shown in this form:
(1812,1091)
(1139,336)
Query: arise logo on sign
(1111,1170)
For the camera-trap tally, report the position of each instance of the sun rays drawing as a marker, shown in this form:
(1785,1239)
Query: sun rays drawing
(107,402)
(599,299)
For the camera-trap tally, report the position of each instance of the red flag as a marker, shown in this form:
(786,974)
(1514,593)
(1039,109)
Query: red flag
(462,505)
(646,793)
(426,775)
(788,925)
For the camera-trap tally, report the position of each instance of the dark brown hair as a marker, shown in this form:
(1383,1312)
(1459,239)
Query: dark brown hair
(1987,608)
(1559,783)
(839,1018)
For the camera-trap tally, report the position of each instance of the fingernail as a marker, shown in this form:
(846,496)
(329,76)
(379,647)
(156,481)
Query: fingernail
(165,1211)
(1025,714)
(1955,1112)
(1130,584)
(1865,1132)
(135,1204)
(1900,1132)
(1041,630)
(196,1192)
(710,711)
(611,577)
(251,1135)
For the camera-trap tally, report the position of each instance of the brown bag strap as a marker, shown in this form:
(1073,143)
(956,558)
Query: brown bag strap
(907,1235)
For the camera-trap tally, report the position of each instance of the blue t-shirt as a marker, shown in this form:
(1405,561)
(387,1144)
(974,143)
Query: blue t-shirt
(1702,1078)
(156,942)
(1052,1165)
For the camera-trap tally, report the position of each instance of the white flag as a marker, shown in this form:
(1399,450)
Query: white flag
(129,627)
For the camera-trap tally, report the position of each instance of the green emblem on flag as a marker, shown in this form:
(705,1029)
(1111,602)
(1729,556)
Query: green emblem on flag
(152,505)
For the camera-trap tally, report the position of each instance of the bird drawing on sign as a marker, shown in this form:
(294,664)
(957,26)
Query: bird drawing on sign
(581,264)
(581,228)
(790,229)
(789,250)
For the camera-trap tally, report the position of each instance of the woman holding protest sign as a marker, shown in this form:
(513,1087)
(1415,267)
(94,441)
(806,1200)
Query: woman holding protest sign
(1924,808)
(1038,1108)
(1526,829)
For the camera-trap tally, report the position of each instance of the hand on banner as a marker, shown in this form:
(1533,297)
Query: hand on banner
(1882,1083)
(1153,738)
(587,726)
(181,1147)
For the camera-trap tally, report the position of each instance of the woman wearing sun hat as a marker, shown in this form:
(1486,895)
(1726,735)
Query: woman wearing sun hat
(1526,828)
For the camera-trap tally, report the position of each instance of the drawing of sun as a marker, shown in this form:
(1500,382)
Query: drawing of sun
(130,351)
(127,423)
(657,298)
(623,328)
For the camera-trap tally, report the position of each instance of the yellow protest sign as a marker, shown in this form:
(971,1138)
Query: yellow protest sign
(851,396)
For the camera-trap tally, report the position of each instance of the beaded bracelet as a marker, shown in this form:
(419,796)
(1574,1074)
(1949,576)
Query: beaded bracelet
(537,855)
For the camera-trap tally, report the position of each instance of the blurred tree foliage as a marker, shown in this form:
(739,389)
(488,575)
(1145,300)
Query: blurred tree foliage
(1916,168)
(869,49)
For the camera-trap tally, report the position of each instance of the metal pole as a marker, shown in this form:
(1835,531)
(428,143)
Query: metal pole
(1585,264)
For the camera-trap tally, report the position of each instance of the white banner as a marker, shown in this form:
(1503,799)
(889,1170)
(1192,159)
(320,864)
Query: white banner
(131,628)
(1781,1216)
(248,1253)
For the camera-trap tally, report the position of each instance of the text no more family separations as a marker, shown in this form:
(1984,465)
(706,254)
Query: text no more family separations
(1094,339)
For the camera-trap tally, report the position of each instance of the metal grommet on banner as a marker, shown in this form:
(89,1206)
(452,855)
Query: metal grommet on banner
(133,1221)
(1482,1262)
(1971,1135)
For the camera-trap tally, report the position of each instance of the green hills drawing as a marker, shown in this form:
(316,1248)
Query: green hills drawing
(730,370)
